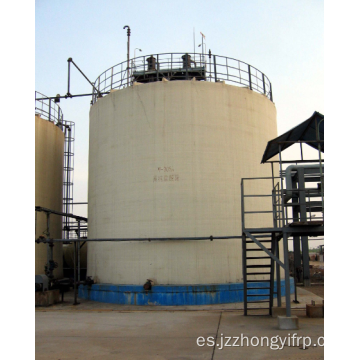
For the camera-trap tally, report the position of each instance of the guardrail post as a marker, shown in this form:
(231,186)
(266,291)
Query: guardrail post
(242,206)
(263,79)
(157,67)
(249,71)
(215,68)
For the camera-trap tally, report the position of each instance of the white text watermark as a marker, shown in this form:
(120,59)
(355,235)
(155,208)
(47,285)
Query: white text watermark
(275,342)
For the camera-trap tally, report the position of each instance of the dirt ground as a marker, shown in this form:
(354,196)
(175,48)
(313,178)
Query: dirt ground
(316,289)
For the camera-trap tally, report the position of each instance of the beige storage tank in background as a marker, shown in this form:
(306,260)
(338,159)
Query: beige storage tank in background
(49,157)
(166,160)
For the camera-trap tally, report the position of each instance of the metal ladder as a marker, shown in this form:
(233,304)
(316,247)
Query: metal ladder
(258,291)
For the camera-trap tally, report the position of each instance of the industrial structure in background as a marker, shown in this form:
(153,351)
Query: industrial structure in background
(177,198)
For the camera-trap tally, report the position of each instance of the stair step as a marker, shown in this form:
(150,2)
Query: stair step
(258,301)
(259,288)
(258,235)
(258,257)
(258,266)
(251,281)
(257,249)
(260,241)
(259,273)
(257,295)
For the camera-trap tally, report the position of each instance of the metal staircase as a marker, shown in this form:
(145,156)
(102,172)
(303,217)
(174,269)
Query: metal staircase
(258,277)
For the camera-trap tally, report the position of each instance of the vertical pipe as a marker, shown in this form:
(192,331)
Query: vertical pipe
(271,94)
(75,280)
(128,55)
(272,273)
(278,278)
(281,188)
(210,63)
(287,275)
(321,173)
(186,65)
(304,239)
(68,92)
(296,239)
(202,46)
(49,273)
(128,52)
(296,300)
(78,250)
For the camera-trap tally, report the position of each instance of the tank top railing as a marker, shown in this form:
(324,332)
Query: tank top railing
(48,109)
(183,66)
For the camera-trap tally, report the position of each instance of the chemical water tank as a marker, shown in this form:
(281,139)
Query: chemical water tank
(49,157)
(166,159)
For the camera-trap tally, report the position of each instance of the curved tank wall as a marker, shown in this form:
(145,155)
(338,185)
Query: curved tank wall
(68,252)
(49,154)
(166,160)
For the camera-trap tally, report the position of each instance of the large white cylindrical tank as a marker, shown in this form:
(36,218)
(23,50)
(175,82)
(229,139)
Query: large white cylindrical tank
(166,160)
(49,155)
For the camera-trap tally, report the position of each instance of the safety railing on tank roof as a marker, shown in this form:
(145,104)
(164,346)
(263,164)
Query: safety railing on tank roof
(48,109)
(51,111)
(182,66)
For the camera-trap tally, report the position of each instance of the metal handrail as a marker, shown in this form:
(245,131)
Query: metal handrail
(277,205)
(48,109)
(179,66)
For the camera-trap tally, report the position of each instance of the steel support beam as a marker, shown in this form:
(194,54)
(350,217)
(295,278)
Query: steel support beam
(278,276)
(287,276)
(244,272)
(304,238)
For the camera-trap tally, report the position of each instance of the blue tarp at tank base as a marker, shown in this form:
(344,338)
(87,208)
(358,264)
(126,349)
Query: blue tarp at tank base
(176,295)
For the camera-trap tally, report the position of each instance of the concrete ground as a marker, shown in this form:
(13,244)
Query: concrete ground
(94,330)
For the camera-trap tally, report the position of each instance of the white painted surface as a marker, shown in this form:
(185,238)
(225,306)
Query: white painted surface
(166,160)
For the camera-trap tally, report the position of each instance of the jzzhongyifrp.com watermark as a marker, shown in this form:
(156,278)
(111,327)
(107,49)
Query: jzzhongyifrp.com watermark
(274,343)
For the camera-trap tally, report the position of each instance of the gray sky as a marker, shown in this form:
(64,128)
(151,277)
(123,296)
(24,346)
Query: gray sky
(282,38)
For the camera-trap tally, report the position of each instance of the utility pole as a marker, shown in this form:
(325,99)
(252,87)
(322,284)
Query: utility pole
(128,52)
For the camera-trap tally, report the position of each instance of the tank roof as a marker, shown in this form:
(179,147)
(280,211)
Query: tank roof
(182,66)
